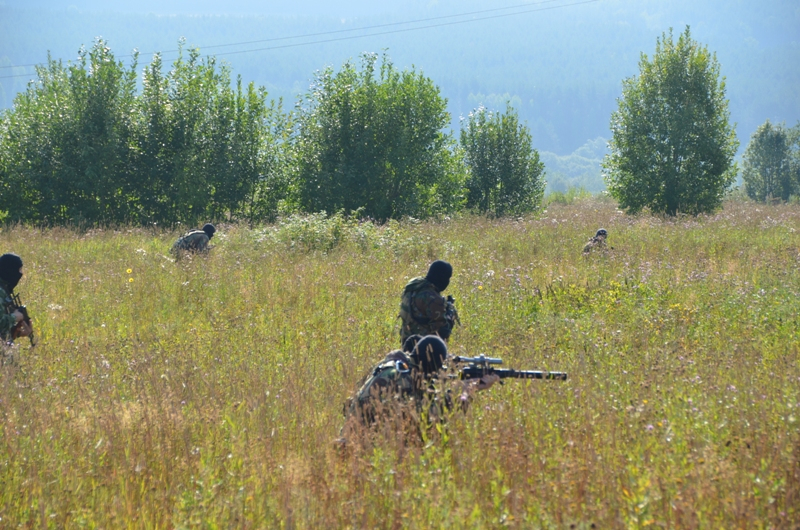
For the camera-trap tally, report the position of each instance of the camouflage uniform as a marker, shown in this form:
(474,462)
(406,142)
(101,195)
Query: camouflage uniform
(423,311)
(595,243)
(598,242)
(7,320)
(192,241)
(396,388)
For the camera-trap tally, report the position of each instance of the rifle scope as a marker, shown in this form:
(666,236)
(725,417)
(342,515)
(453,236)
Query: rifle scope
(481,359)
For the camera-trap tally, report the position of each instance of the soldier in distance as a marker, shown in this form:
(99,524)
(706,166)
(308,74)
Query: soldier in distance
(194,241)
(598,242)
(423,309)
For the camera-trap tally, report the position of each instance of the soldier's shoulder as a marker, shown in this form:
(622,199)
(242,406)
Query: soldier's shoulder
(384,375)
(428,298)
(417,284)
(5,294)
(396,355)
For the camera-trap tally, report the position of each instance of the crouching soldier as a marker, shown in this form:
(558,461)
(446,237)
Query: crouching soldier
(598,242)
(400,393)
(14,320)
(194,241)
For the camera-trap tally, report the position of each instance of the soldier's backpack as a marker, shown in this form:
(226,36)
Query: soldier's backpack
(391,373)
(408,311)
(412,321)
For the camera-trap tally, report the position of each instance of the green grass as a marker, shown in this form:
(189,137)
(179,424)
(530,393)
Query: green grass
(207,393)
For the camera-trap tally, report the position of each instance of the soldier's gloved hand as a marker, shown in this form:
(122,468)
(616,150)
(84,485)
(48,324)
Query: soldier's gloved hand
(22,330)
(475,385)
(486,382)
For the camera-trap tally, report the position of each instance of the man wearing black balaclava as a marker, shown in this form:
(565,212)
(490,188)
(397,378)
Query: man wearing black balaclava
(194,241)
(10,275)
(402,386)
(423,309)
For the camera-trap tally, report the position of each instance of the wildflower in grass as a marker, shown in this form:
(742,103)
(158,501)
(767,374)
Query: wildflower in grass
(130,280)
(129,271)
(649,427)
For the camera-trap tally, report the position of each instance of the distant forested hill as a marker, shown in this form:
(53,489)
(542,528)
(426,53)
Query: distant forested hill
(561,68)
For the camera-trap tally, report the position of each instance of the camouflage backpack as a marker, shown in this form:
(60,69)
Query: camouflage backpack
(389,378)
(409,313)
(6,309)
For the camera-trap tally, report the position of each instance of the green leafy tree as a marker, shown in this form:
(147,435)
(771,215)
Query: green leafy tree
(768,169)
(673,144)
(66,145)
(505,174)
(80,146)
(205,146)
(373,141)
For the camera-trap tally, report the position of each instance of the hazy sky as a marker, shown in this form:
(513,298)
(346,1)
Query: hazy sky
(559,62)
(351,8)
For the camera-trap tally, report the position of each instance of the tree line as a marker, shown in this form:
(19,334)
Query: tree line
(84,145)
(89,144)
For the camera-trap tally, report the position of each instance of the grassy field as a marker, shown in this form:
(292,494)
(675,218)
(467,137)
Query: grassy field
(207,393)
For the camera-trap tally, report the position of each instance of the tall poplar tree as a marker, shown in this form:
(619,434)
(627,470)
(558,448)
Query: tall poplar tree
(768,172)
(505,173)
(673,143)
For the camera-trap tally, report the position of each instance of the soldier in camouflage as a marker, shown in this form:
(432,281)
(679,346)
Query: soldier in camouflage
(11,318)
(401,387)
(423,309)
(598,242)
(194,241)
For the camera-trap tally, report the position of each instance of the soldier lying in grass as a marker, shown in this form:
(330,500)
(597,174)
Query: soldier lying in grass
(400,392)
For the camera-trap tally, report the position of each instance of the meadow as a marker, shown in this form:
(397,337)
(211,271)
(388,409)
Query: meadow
(208,392)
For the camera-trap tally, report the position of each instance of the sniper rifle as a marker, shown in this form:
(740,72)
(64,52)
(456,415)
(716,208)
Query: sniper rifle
(479,366)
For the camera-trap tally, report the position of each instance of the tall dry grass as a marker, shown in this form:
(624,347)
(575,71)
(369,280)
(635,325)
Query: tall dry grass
(207,393)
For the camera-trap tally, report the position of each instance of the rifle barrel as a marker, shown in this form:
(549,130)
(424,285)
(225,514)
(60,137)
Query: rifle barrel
(530,374)
(476,372)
